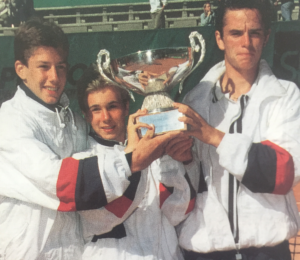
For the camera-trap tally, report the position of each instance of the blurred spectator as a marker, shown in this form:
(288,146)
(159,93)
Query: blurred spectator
(208,16)
(4,12)
(12,12)
(25,9)
(287,7)
(157,13)
(274,10)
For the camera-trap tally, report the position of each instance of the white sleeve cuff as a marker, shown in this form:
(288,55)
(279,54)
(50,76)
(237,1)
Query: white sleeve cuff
(233,153)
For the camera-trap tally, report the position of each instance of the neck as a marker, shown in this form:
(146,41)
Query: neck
(237,82)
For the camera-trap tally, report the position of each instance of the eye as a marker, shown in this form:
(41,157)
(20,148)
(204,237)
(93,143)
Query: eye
(95,109)
(43,66)
(255,33)
(61,66)
(236,33)
(112,106)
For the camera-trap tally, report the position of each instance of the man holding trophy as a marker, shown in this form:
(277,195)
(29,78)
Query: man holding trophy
(246,125)
(139,224)
(42,184)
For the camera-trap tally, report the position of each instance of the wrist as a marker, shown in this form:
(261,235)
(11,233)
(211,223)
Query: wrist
(216,138)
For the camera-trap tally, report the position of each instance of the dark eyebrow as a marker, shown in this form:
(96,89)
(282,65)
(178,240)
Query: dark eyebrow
(251,30)
(46,62)
(94,106)
(256,30)
(113,102)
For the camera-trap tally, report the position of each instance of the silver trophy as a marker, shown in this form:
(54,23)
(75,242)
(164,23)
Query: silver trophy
(153,73)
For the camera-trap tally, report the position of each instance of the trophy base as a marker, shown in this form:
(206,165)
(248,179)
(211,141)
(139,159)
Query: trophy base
(163,121)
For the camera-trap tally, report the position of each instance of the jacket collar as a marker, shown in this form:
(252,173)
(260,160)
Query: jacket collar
(266,83)
(52,107)
(105,142)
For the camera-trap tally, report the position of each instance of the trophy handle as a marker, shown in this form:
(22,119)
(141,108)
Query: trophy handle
(195,48)
(105,66)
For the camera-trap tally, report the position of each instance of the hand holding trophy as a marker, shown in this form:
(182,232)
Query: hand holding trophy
(153,73)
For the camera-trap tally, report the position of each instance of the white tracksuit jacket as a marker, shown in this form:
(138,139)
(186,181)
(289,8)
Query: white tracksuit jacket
(41,186)
(140,224)
(245,196)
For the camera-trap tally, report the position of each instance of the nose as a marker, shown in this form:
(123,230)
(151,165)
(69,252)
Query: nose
(105,116)
(246,40)
(52,74)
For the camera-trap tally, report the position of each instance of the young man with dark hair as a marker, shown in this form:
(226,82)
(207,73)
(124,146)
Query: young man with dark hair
(246,123)
(140,224)
(41,185)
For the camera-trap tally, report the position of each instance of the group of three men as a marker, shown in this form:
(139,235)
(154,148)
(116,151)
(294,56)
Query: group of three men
(230,197)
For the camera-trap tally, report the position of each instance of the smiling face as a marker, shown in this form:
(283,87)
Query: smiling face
(45,73)
(243,39)
(106,114)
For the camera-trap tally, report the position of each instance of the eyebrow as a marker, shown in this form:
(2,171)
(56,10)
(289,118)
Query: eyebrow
(110,103)
(251,30)
(46,62)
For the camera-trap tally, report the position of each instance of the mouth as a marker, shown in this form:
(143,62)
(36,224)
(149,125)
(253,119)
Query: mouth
(108,129)
(55,89)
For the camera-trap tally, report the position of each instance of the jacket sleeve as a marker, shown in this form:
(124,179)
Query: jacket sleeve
(272,165)
(176,193)
(30,171)
(107,221)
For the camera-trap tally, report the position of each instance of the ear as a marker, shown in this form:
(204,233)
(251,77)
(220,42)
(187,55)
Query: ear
(87,116)
(267,37)
(21,69)
(219,40)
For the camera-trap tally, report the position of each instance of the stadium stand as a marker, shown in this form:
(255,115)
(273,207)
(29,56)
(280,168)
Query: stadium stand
(123,16)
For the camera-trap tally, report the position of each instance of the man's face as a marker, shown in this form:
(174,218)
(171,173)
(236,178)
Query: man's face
(45,73)
(106,114)
(207,8)
(243,39)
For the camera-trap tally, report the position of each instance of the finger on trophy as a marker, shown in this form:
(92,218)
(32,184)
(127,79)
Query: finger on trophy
(133,137)
(150,132)
(132,117)
(181,151)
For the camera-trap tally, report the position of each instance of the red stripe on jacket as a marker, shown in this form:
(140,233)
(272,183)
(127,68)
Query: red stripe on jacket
(164,194)
(119,206)
(66,184)
(284,169)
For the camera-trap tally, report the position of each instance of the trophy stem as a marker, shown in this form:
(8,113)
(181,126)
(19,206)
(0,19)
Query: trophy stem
(157,102)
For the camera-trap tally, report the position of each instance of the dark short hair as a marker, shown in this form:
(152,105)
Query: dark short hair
(36,33)
(92,81)
(206,3)
(264,7)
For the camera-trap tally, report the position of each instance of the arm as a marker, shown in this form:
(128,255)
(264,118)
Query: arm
(269,166)
(30,171)
(103,220)
(176,193)
(207,20)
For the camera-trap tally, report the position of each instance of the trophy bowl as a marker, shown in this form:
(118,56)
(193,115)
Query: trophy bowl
(153,73)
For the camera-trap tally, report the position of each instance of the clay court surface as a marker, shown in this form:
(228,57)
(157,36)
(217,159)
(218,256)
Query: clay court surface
(295,242)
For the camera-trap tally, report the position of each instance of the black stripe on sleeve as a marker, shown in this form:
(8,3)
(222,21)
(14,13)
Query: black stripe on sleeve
(202,187)
(117,232)
(260,175)
(129,158)
(132,188)
(89,192)
(192,190)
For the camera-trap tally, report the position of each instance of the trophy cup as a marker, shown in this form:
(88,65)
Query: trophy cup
(153,73)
